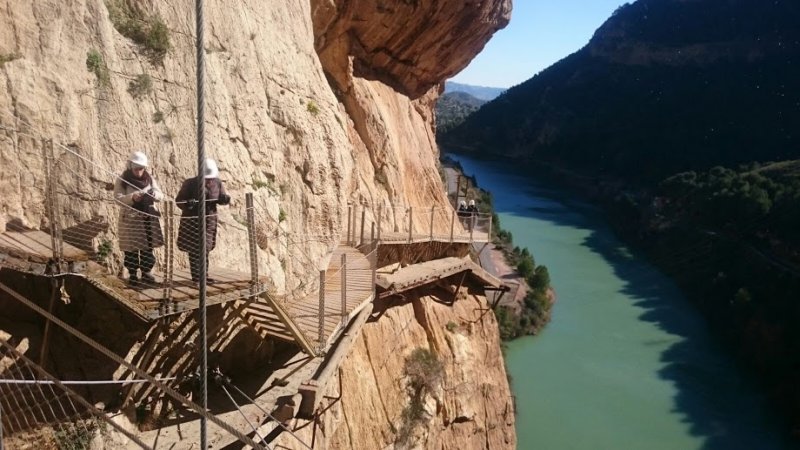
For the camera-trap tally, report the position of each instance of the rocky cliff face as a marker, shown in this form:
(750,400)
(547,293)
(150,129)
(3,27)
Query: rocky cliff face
(468,406)
(309,105)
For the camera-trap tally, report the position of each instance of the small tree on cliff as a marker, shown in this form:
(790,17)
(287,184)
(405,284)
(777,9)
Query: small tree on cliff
(425,373)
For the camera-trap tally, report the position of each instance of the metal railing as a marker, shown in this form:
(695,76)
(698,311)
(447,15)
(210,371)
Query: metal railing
(409,224)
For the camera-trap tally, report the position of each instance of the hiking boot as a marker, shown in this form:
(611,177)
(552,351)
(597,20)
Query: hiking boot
(209,280)
(148,279)
(133,281)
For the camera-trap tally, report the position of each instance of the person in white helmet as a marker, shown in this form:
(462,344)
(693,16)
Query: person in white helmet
(473,213)
(463,213)
(139,224)
(188,201)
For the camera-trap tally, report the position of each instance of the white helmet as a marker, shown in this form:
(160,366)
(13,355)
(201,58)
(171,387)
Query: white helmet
(472,203)
(462,203)
(211,170)
(138,158)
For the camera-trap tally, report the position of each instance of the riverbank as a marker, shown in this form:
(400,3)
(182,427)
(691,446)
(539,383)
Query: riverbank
(731,273)
(527,307)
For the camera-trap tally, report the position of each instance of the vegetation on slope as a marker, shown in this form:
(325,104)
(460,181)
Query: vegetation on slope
(731,239)
(453,108)
(663,87)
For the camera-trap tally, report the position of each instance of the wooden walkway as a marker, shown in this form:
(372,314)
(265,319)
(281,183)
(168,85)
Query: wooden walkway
(31,251)
(153,301)
(358,293)
(461,236)
(288,319)
(418,275)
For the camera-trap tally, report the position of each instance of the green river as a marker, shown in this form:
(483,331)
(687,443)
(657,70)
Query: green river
(626,362)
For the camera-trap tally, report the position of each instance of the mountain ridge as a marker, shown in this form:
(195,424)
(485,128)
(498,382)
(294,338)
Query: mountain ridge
(485,93)
(716,92)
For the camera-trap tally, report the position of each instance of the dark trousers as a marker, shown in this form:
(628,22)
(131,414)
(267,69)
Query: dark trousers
(194,264)
(139,259)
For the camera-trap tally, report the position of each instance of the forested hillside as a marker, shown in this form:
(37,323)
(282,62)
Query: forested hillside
(453,108)
(664,86)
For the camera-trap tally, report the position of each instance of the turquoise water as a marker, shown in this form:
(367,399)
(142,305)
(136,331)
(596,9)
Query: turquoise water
(626,362)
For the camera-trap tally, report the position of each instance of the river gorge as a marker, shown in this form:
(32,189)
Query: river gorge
(626,362)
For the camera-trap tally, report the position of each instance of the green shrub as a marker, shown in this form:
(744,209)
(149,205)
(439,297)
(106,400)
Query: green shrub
(7,57)
(157,37)
(525,267)
(424,370)
(147,30)
(259,184)
(74,436)
(96,65)
(140,86)
(312,108)
(281,215)
(541,279)
(425,373)
(104,250)
(158,117)
(451,326)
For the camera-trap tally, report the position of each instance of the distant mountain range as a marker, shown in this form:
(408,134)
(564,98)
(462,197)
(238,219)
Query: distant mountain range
(453,108)
(479,92)
(459,101)
(663,86)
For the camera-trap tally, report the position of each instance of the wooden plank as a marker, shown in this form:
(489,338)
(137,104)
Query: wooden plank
(343,346)
(70,252)
(28,238)
(296,332)
(20,249)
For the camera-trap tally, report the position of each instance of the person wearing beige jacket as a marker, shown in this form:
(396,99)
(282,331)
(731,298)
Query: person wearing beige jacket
(136,191)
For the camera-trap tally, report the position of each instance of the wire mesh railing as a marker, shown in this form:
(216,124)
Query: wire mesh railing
(348,284)
(410,224)
(131,227)
(39,411)
(80,418)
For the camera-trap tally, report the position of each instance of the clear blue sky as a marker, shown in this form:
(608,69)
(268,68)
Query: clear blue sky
(540,33)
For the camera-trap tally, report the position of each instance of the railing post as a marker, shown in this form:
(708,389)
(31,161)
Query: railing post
(374,266)
(410,222)
(344,286)
(433,209)
(321,313)
(349,211)
(355,226)
(490,227)
(379,221)
(372,235)
(363,216)
(251,237)
(452,225)
(173,232)
(55,228)
(168,253)
(471,226)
